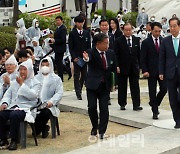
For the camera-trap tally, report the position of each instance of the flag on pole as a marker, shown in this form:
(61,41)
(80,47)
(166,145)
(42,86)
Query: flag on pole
(45,32)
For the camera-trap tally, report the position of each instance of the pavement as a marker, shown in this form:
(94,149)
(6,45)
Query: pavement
(153,137)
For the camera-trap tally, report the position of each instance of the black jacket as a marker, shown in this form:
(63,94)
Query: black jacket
(96,71)
(60,39)
(128,60)
(168,61)
(78,44)
(150,57)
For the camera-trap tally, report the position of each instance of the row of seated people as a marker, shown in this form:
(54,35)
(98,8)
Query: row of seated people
(20,90)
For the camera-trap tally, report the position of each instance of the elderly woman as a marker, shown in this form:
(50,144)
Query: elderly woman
(22,94)
(11,66)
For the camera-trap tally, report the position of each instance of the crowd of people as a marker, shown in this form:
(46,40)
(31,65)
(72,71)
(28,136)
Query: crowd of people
(112,49)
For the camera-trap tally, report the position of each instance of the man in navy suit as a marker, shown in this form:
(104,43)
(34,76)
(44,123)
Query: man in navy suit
(101,63)
(127,49)
(169,67)
(59,44)
(104,27)
(149,63)
(79,41)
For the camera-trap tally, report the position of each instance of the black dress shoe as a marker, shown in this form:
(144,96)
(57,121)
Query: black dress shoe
(4,142)
(79,97)
(137,108)
(109,102)
(45,131)
(101,136)
(13,146)
(70,75)
(155,116)
(122,108)
(177,126)
(94,132)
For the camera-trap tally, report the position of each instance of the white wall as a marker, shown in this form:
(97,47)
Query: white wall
(113,5)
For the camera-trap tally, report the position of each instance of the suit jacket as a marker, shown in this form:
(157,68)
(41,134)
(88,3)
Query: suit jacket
(78,44)
(168,61)
(111,40)
(96,71)
(60,39)
(150,57)
(117,33)
(128,59)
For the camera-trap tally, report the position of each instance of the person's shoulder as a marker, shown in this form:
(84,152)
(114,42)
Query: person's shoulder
(147,40)
(35,80)
(110,51)
(55,78)
(167,38)
(120,38)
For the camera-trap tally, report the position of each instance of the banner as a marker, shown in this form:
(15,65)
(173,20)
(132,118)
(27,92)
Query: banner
(92,1)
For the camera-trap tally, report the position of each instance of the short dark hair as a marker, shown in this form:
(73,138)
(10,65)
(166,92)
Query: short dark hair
(149,23)
(44,61)
(103,20)
(99,38)
(175,18)
(59,17)
(22,53)
(9,49)
(31,48)
(79,19)
(2,52)
(156,24)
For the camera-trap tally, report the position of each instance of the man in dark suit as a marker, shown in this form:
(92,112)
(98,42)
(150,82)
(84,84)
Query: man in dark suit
(169,67)
(149,63)
(101,63)
(104,27)
(127,49)
(59,44)
(79,41)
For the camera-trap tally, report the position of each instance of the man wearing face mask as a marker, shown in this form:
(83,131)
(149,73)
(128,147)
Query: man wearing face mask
(152,19)
(142,18)
(95,21)
(50,95)
(33,32)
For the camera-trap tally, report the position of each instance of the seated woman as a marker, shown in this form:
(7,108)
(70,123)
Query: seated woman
(50,95)
(22,94)
(11,66)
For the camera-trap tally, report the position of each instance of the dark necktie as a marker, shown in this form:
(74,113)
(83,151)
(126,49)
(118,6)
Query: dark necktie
(157,45)
(80,33)
(129,42)
(103,60)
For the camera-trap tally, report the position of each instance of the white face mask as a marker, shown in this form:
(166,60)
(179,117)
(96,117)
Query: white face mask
(45,70)
(36,25)
(152,19)
(143,11)
(95,15)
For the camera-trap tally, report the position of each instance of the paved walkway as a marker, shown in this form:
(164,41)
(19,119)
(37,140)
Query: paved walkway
(149,140)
